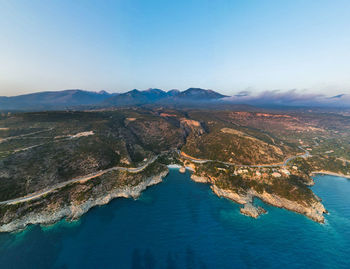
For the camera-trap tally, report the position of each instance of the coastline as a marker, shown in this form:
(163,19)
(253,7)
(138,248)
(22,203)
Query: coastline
(329,174)
(174,166)
(177,166)
(314,211)
(73,211)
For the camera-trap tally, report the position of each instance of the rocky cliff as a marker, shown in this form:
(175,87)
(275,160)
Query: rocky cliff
(75,200)
(290,193)
(313,211)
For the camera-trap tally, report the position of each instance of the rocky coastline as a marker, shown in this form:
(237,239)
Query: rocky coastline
(72,210)
(200,179)
(310,206)
(52,213)
(314,211)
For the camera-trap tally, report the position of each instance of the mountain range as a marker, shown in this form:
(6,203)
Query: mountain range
(80,99)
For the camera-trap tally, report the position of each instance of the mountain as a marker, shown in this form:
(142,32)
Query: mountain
(192,97)
(173,92)
(52,100)
(136,97)
(157,96)
(68,99)
(199,94)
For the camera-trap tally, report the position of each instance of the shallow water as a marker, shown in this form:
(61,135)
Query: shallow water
(182,224)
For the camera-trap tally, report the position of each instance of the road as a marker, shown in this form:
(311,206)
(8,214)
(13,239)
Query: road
(78,179)
(55,140)
(195,160)
(305,155)
(23,135)
(136,170)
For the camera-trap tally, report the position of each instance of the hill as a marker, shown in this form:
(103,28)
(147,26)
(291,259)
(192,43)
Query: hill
(54,100)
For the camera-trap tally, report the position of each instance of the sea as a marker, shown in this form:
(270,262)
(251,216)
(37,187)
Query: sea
(182,224)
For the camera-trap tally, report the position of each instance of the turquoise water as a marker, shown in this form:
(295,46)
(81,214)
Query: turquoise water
(182,224)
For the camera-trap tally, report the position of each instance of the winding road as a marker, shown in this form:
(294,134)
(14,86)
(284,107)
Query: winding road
(43,192)
(285,163)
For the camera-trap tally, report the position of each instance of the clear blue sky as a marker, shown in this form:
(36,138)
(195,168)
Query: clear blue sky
(224,45)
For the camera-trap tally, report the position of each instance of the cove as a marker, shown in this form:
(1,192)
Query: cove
(182,224)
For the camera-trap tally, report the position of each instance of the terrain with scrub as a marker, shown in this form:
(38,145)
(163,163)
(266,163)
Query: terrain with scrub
(59,164)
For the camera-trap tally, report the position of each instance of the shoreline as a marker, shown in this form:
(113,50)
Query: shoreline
(174,166)
(314,211)
(82,179)
(177,166)
(72,212)
(327,173)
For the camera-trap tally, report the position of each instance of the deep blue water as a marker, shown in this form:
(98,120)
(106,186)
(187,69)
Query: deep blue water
(182,224)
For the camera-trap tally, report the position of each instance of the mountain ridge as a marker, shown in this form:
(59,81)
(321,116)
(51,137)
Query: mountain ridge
(76,99)
(52,100)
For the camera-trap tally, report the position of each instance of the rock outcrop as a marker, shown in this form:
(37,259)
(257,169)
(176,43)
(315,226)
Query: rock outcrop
(240,198)
(250,210)
(313,211)
(200,179)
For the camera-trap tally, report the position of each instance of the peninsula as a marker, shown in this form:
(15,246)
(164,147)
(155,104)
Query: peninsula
(59,164)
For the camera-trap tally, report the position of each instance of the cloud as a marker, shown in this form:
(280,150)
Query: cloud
(243,93)
(290,98)
(337,96)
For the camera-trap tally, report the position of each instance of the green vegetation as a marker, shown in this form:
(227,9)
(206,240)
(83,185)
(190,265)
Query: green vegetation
(225,140)
(322,163)
(171,157)
(290,187)
(331,164)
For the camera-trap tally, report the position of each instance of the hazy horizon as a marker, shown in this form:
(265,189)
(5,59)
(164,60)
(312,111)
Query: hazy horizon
(117,46)
(250,91)
(240,94)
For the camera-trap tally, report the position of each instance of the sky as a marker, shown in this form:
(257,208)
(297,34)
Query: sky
(229,46)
